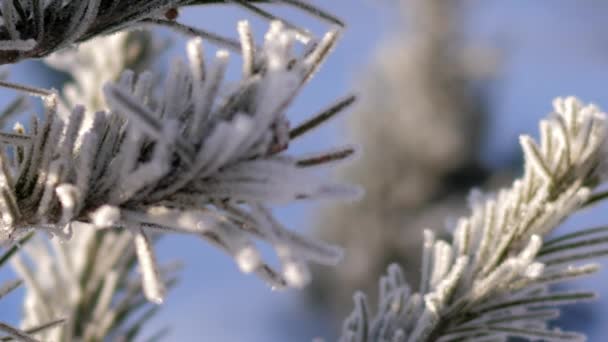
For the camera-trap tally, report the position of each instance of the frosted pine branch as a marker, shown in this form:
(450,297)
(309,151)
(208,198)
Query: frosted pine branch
(185,158)
(492,281)
(91,281)
(37,28)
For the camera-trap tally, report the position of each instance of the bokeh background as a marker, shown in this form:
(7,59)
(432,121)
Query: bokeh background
(445,88)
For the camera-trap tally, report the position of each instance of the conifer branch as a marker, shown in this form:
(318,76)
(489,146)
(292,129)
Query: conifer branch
(491,280)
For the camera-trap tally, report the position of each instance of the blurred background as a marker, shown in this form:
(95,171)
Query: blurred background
(445,87)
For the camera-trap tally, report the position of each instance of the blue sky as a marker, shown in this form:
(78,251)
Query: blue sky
(548,49)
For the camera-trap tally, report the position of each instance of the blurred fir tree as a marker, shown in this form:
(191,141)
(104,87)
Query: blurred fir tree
(420,124)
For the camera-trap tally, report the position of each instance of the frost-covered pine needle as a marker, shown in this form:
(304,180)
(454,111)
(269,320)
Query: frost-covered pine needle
(492,281)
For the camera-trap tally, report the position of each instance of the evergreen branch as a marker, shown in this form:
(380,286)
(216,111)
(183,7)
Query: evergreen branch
(35,29)
(151,159)
(495,267)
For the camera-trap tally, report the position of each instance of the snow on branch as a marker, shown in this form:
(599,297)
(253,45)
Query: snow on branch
(492,281)
(186,158)
(37,28)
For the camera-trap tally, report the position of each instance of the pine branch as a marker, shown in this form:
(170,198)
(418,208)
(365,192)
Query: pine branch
(496,271)
(35,29)
(86,279)
(182,160)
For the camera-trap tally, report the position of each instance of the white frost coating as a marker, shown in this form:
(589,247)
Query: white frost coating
(296,274)
(534,270)
(105,216)
(490,282)
(153,286)
(248,259)
(68,197)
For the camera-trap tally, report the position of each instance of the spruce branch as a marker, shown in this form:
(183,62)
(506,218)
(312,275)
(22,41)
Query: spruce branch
(492,281)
